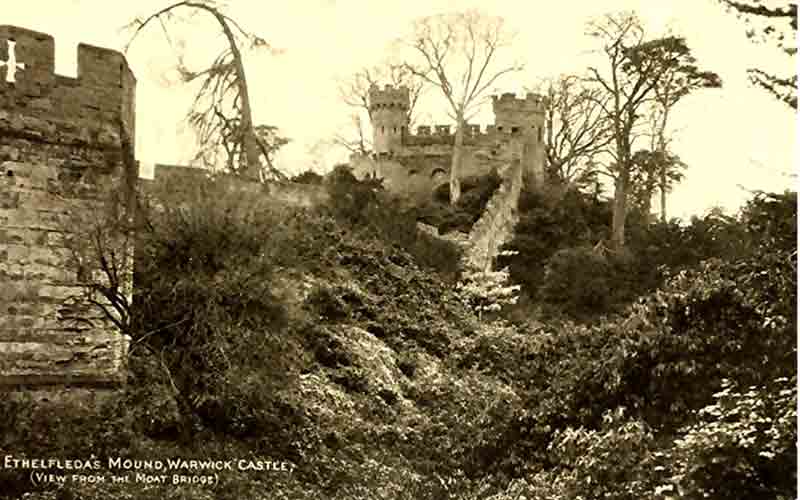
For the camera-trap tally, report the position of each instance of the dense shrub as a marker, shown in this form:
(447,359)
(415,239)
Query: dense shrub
(205,300)
(353,201)
(475,194)
(742,446)
(547,226)
(579,281)
(308,177)
(363,206)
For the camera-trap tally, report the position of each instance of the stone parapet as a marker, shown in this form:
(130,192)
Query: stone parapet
(65,144)
(496,225)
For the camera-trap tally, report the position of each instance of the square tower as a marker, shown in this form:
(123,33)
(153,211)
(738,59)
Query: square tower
(388,110)
(64,142)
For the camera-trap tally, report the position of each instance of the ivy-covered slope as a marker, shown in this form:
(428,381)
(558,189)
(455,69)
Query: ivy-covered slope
(333,340)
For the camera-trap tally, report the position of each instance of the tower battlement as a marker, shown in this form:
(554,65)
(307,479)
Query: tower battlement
(389,97)
(414,161)
(509,102)
(64,142)
(389,109)
(95,103)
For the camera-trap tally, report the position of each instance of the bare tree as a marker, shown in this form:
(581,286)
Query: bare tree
(221,113)
(576,128)
(635,67)
(354,91)
(458,54)
(359,142)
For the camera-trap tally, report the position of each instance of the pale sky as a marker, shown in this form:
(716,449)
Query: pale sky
(732,137)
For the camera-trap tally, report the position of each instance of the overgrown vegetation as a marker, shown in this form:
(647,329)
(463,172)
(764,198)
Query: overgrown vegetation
(335,339)
(475,194)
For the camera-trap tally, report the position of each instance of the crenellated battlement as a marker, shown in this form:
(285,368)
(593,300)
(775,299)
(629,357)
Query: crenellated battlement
(389,97)
(473,134)
(469,131)
(531,103)
(64,144)
(519,123)
(513,116)
(96,102)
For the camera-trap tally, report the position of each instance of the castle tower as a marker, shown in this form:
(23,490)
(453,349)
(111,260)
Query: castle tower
(64,142)
(389,114)
(524,118)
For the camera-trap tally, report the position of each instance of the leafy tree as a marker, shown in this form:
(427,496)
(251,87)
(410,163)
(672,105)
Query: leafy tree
(779,22)
(678,80)
(458,54)
(222,112)
(654,169)
(635,67)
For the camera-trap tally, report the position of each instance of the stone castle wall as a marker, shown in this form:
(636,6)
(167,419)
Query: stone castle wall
(496,225)
(63,143)
(175,184)
(420,170)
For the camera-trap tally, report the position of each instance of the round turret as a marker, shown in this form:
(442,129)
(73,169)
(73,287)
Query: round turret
(388,109)
(514,114)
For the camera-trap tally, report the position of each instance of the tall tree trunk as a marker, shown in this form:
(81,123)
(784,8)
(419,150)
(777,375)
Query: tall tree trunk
(620,208)
(662,148)
(455,166)
(253,169)
(663,191)
(622,181)
(651,184)
(648,206)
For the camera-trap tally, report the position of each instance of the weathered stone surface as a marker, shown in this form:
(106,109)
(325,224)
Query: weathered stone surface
(63,141)
(175,184)
(496,225)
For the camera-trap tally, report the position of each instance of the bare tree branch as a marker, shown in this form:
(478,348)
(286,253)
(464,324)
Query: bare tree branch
(577,127)
(217,106)
(461,48)
(354,91)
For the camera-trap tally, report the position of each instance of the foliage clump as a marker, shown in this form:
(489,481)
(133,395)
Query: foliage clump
(329,338)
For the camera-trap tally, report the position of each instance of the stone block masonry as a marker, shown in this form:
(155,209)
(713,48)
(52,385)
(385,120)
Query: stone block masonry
(496,225)
(178,185)
(63,142)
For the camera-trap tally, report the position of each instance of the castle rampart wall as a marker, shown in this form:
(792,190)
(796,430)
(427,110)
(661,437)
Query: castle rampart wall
(496,225)
(64,142)
(174,185)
